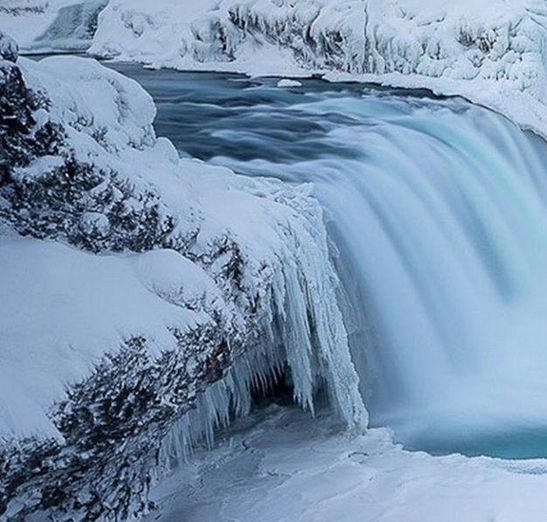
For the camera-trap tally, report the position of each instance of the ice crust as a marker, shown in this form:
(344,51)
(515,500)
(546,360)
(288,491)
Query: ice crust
(279,465)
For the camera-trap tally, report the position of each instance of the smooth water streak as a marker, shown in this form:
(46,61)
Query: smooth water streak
(438,212)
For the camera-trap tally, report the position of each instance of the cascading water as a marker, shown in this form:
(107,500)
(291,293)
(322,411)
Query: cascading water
(438,212)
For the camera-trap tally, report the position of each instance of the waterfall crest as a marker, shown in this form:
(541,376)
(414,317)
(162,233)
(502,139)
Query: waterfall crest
(441,223)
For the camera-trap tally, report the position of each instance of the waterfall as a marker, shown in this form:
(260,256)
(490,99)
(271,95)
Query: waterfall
(437,214)
(441,224)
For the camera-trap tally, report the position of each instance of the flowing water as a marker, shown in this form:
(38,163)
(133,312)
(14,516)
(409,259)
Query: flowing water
(438,213)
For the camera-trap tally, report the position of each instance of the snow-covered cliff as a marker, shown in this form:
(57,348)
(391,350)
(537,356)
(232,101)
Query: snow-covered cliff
(139,287)
(492,52)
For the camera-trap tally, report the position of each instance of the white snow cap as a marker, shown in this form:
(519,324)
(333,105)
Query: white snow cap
(285,82)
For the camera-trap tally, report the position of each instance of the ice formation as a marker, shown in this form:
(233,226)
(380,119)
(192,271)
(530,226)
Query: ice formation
(286,82)
(142,280)
(279,465)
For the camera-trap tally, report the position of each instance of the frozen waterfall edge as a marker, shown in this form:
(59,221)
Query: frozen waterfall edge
(171,272)
(302,333)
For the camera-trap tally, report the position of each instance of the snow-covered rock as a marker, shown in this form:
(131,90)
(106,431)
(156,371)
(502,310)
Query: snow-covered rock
(265,36)
(287,82)
(138,286)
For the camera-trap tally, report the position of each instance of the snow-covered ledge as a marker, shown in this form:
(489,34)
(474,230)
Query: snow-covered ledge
(136,282)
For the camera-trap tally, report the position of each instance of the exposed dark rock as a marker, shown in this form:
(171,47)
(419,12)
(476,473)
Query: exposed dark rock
(112,424)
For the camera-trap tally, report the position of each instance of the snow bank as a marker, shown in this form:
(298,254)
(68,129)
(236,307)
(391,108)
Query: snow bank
(68,308)
(492,53)
(283,260)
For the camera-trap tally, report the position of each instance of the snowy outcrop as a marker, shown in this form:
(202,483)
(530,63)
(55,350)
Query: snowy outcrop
(144,291)
(490,52)
(265,36)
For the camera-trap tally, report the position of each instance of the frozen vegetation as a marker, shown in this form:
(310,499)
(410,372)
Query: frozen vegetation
(136,281)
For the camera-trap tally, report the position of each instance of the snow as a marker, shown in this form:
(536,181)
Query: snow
(286,82)
(94,102)
(491,52)
(279,465)
(67,308)
(42,26)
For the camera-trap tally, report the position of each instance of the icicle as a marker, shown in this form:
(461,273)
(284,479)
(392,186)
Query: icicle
(303,335)
(215,406)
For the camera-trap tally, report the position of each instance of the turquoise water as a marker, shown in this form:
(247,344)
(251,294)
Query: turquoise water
(438,216)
